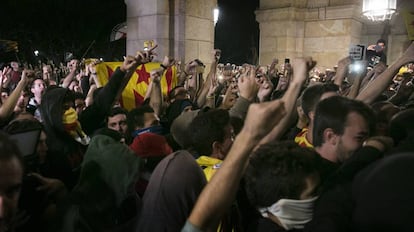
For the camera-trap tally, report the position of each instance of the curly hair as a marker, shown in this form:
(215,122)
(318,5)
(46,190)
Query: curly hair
(279,170)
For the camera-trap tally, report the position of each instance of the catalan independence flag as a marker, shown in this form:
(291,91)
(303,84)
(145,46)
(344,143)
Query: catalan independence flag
(134,92)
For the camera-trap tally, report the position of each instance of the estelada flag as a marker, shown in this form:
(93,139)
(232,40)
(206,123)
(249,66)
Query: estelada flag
(409,24)
(134,92)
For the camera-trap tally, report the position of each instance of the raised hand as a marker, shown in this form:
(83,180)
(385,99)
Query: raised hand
(301,68)
(73,65)
(247,83)
(50,186)
(168,61)
(216,55)
(262,118)
(156,75)
(130,63)
(266,88)
(143,57)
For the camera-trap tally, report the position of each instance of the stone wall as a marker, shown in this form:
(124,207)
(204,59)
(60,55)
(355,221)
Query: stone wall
(323,29)
(186,35)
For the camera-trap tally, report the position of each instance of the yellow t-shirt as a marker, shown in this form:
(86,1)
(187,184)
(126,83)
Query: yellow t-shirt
(209,165)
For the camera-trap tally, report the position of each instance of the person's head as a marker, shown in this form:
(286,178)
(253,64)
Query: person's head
(381,189)
(282,170)
(402,125)
(180,128)
(15,66)
(47,72)
(381,43)
(142,117)
(11,174)
(212,133)
(80,104)
(4,94)
(384,111)
(176,108)
(38,87)
(315,93)
(178,93)
(341,125)
(22,102)
(117,120)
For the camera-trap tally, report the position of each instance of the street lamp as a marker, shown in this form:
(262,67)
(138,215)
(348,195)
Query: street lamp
(216,13)
(379,10)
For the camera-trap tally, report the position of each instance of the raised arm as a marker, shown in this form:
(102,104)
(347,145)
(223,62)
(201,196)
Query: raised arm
(379,84)
(156,101)
(342,71)
(219,193)
(201,97)
(301,68)
(73,68)
(248,89)
(7,107)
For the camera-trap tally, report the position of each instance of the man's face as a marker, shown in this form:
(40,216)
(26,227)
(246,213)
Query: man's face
(355,133)
(79,105)
(47,72)
(119,123)
(38,87)
(380,47)
(22,102)
(150,119)
(11,173)
(42,148)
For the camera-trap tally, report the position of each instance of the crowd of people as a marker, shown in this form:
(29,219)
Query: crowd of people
(278,147)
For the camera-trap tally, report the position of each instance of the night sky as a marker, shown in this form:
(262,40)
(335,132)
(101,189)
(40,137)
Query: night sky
(57,26)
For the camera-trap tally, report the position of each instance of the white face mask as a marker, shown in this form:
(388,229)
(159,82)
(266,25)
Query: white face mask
(292,214)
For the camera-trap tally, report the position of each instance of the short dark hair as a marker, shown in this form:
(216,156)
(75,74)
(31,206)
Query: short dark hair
(382,41)
(171,94)
(312,95)
(117,110)
(135,117)
(401,125)
(35,79)
(207,128)
(279,170)
(332,113)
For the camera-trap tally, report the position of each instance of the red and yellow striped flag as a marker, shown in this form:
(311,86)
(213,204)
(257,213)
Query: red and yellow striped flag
(134,92)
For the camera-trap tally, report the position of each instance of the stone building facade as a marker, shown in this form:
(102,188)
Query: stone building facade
(323,29)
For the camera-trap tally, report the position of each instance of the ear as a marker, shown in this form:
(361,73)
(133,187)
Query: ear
(216,152)
(311,115)
(330,137)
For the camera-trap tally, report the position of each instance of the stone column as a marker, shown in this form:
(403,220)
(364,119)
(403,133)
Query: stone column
(319,28)
(183,29)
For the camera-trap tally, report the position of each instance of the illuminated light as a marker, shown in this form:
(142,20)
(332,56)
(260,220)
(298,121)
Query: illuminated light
(379,10)
(216,13)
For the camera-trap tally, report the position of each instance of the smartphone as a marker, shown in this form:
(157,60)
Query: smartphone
(378,48)
(287,61)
